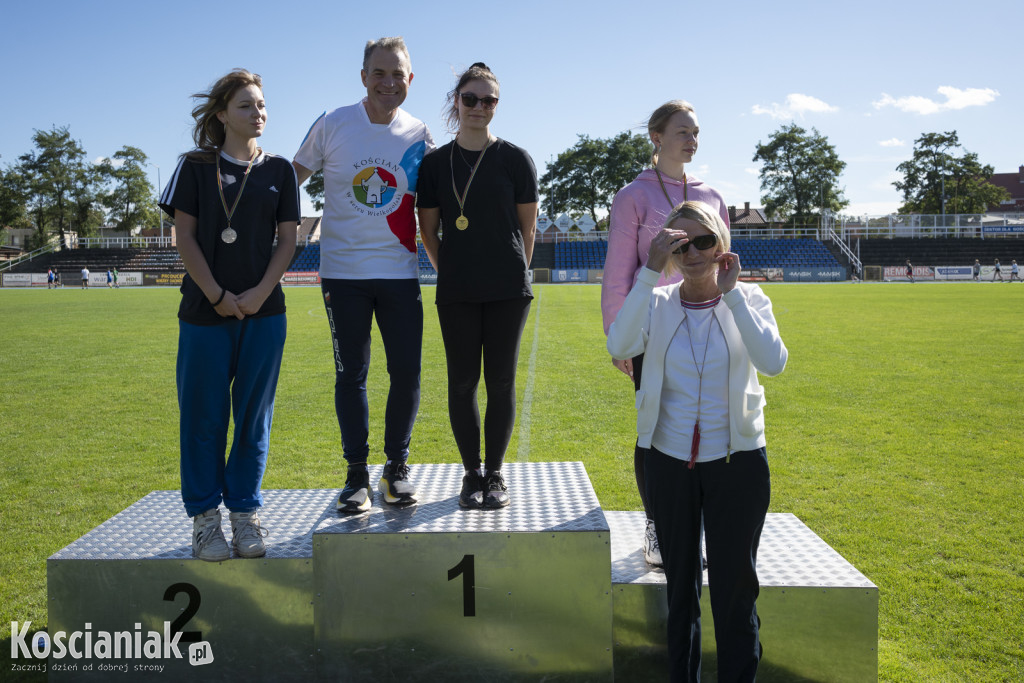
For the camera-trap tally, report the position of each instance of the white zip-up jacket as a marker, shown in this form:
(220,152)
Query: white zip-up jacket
(649,319)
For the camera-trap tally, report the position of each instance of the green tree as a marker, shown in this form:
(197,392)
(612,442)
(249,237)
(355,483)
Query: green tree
(56,182)
(799,174)
(315,189)
(934,166)
(131,199)
(585,177)
(12,199)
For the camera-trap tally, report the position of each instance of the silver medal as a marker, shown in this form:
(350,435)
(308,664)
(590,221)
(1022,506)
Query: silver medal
(229,235)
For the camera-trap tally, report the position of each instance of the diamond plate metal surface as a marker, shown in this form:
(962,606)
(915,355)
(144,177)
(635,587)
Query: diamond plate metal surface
(157,528)
(790,554)
(546,496)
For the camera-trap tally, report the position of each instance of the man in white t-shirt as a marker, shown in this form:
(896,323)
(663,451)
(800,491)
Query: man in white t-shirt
(370,154)
(85,278)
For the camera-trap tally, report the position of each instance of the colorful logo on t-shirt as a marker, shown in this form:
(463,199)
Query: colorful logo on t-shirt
(374,186)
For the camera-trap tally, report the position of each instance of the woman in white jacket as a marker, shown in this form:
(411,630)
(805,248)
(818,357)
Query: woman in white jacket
(700,412)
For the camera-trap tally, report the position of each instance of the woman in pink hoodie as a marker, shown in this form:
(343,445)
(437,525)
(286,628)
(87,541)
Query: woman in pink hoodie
(638,214)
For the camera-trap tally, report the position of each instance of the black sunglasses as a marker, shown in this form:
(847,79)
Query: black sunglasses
(702,242)
(469,100)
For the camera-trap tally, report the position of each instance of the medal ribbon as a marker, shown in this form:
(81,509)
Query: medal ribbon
(662,183)
(695,441)
(451,161)
(220,187)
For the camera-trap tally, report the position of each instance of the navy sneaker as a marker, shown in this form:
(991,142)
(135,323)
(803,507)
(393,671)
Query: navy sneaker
(357,496)
(495,491)
(472,494)
(395,486)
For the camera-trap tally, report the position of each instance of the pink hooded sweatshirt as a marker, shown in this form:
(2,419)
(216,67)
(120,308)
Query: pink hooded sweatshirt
(638,214)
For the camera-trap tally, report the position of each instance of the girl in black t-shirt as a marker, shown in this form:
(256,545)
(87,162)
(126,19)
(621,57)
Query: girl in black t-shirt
(480,193)
(229,201)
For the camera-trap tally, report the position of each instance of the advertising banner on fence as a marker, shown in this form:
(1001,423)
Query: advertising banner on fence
(569,275)
(762,275)
(311,277)
(428,277)
(814,274)
(163,279)
(899,273)
(953,273)
(1017,229)
(17,279)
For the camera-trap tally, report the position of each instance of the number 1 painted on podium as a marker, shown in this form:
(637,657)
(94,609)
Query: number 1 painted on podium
(465,568)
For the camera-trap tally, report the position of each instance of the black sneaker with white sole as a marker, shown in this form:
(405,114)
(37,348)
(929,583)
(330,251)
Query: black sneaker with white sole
(395,486)
(495,491)
(472,494)
(357,496)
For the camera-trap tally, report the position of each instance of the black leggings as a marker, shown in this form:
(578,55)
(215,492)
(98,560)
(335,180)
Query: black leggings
(491,330)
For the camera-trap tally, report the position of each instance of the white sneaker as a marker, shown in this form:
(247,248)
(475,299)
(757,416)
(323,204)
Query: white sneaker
(207,537)
(247,534)
(652,551)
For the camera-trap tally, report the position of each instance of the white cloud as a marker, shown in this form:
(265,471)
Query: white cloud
(116,163)
(751,171)
(955,99)
(796,105)
(893,142)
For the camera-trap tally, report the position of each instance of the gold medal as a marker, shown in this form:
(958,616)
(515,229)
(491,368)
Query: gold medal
(228,236)
(462,222)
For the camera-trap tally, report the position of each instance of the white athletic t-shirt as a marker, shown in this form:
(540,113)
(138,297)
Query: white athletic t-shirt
(369,225)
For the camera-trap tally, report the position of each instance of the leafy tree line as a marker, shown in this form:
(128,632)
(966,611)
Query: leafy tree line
(55,189)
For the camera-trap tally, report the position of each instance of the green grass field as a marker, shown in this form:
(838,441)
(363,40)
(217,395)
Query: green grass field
(893,434)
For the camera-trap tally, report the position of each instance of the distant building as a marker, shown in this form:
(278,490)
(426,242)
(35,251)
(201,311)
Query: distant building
(747,217)
(1014,184)
(309,230)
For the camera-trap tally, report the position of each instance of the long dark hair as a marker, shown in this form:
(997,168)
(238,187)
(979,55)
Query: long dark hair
(208,133)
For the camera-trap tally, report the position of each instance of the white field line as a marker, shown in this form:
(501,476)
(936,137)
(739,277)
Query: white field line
(525,412)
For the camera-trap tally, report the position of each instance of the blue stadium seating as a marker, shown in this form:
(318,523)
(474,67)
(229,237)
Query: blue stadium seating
(783,253)
(777,253)
(580,255)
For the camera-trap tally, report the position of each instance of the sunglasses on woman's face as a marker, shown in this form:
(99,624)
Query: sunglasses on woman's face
(702,242)
(469,100)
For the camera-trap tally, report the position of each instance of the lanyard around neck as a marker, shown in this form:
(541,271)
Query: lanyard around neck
(667,198)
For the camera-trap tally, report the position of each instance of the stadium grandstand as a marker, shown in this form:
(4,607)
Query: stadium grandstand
(880,243)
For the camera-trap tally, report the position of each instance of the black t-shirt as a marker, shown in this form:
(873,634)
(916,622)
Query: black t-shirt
(270,197)
(486,261)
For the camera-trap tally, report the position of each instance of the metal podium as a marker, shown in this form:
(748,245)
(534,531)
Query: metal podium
(551,588)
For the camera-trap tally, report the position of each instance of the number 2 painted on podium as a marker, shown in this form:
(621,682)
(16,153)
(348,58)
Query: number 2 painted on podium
(465,567)
(194,600)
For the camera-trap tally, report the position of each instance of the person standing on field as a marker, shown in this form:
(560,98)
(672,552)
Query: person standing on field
(85,278)
(482,191)
(230,200)
(638,214)
(370,154)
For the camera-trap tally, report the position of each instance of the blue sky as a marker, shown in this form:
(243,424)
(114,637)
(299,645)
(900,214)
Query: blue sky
(872,76)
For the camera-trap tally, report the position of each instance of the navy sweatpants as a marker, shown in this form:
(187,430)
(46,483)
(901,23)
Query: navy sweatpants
(729,497)
(230,369)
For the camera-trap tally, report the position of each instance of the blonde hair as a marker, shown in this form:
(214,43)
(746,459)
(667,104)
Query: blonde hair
(208,133)
(659,120)
(703,214)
